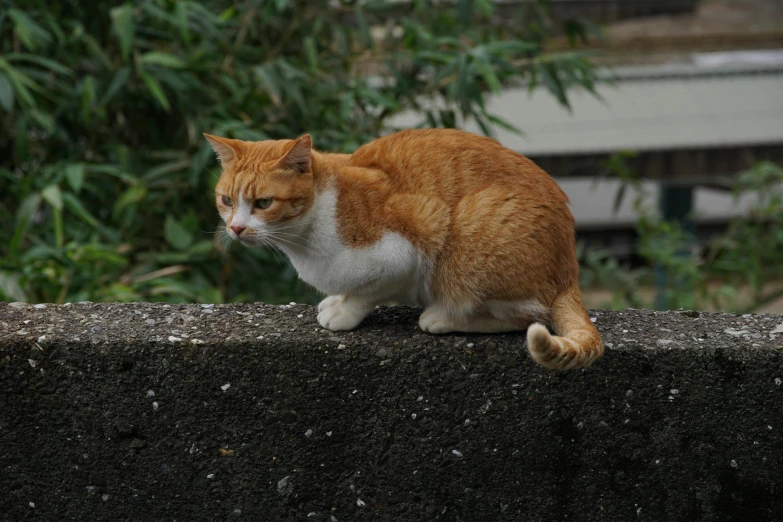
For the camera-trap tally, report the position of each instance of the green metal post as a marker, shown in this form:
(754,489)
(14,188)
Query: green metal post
(676,204)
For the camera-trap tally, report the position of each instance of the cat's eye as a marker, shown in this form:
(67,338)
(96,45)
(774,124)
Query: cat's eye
(227,201)
(263,203)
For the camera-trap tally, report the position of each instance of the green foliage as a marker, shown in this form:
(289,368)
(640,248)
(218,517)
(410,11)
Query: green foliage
(105,180)
(748,254)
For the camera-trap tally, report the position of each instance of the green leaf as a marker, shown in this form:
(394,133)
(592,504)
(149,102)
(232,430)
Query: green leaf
(44,119)
(271,81)
(503,124)
(123,25)
(176,235)
(162,59)
(88,98)
(311,51)
(54,196)
(181,14)
(10,288)
(130,197)
(111,170)
(364,28)
(20,83)
(96,49)
(6,93)
(29,32)
(75,206)
(23,215)
(228,14)
(57,221)
(488,75)
(74,173)
(117,83)
(46,63)
(156,90)
(551,78)
(22,149)
(166,168)
(202,247)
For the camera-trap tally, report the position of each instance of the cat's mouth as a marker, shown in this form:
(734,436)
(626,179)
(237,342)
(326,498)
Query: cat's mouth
(247,241)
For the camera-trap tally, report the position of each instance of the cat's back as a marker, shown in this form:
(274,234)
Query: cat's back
(452,161)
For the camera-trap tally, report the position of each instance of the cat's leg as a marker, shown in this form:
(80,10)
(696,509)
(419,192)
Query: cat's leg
(362,278)
(340,312)
(489,317)
(437,320)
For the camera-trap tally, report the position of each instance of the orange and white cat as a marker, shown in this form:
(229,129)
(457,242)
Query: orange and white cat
(475,233)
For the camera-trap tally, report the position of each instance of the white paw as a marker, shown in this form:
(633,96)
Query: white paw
(342,315)
(329,302)
(434,321)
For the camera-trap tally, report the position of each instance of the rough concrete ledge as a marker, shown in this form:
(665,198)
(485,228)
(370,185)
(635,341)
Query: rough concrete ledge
(253,412)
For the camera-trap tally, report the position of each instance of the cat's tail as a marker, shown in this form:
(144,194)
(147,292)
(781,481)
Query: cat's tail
(578,343)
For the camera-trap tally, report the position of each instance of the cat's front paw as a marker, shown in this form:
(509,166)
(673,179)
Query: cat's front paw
(337,313)
(329,302)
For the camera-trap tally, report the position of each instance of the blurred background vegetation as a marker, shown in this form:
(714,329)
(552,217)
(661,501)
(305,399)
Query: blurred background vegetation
(106,182)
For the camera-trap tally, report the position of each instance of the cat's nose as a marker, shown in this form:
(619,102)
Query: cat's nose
(237,230)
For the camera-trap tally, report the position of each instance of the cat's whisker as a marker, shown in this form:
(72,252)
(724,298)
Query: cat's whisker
(284,233)
(284,229)
(275,254)
(278,243)
(224,241)
(277,248)
(291,238)
(292,243)
(213,174)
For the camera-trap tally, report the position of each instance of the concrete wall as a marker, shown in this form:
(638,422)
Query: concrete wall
(251,412)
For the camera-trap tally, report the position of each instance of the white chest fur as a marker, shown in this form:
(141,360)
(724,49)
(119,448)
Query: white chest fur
(390,269)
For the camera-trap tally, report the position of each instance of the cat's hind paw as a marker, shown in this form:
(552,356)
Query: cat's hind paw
(435,321)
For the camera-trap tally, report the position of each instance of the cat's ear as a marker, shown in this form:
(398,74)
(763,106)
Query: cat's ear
(226,149)
(299,156)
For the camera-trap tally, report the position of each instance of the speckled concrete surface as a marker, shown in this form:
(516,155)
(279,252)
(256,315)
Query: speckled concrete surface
(253,412)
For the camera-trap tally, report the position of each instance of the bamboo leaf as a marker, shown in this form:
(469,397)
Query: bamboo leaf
(123,25)
(20,84)
(181,14)
(162,59)
(270,80)
(551,79)
(44,119)
(129,198)
(53,196)
(6,93)
(175,234)
(26,210)
(311,51)
(155,89)
(117,83)
(77,208)
(364,28)
(74,173)
(29,32)
(88,98)
(111,170)
(488,75)
(46,63)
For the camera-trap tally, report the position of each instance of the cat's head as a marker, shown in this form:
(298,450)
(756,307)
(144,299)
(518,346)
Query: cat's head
(265,188)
